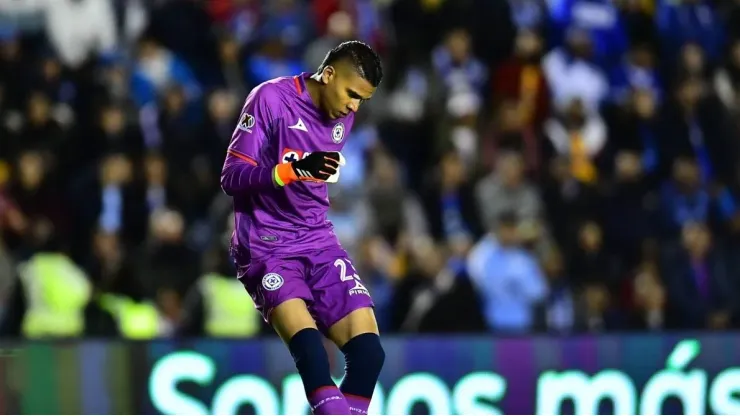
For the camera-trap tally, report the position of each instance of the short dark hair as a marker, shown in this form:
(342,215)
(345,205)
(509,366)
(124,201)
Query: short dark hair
(362,57)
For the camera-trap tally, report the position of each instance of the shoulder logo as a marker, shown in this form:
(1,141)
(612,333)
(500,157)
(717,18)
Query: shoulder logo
(337,133)
(299,126)
(272,281)
(246,122)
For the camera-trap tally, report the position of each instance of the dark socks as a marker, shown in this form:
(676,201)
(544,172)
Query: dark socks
(312,363)
(364,356)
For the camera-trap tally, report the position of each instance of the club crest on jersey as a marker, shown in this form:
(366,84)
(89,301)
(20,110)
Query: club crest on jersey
(337,133)
(246,122)
(272,281)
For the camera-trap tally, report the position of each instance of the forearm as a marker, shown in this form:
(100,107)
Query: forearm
(240,176)
(241,172)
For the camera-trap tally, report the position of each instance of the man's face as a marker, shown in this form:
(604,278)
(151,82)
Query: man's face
(686,173)
(511,167)
(458,44)
(113,120)
(735,54)
(644,103)
(696,239)
(528,44)
(508,234)
(344,90)
(32,169)
(689,92)
(693,58)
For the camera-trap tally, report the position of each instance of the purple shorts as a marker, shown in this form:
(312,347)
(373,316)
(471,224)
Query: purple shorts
(325,280)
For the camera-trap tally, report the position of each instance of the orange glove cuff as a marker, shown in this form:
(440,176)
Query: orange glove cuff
(284,174)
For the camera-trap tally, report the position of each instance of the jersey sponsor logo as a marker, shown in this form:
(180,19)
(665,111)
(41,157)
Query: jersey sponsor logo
(246,122)
(337,133)
(272,281)
(359,289)
(299,126)
(292,155)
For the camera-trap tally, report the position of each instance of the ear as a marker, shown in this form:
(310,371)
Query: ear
(328,74)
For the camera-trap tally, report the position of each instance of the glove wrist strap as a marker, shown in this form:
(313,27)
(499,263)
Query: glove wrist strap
(284,174)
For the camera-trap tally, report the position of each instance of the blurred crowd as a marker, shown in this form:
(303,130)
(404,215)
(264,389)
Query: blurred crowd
(526,165)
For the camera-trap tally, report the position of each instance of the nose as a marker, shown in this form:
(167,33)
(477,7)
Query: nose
(354,105)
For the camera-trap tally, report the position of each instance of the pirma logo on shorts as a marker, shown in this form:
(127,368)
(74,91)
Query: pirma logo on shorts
(272,281)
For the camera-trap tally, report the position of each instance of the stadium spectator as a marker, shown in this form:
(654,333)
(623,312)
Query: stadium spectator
(507,189)
(679,22)
(508,277)
(636,71)
(727,79)
(698,282)
(157,70)
(572,72)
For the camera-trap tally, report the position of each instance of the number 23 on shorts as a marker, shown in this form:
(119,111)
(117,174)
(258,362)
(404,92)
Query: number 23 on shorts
(359,288)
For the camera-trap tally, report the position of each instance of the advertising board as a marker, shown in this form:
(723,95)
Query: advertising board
(624,374)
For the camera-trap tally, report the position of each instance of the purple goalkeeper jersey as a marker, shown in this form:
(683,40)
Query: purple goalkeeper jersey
(279,123)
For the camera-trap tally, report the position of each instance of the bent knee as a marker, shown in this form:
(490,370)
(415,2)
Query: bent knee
(375,351)
(307,345)
(366,351)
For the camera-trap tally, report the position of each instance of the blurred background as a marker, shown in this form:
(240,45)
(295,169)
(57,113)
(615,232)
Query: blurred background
(551,167)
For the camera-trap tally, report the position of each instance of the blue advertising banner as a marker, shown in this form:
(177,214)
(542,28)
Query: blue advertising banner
(633,374)
(623,374)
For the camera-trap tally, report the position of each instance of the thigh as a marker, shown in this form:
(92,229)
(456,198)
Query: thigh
(360,321)
(290,317)
(273,282)
(336,288)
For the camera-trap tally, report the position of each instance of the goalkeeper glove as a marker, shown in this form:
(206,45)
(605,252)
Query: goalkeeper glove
(316,167)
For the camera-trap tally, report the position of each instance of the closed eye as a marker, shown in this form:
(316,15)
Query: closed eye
(356,96)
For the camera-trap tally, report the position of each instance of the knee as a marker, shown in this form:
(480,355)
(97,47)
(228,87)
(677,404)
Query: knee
(307,348)
(375,353)
(311,361)
(365,351)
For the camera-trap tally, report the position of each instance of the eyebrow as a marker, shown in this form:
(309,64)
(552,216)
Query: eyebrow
(355,95)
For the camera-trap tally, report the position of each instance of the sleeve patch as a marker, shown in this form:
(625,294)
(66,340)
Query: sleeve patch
(246,122)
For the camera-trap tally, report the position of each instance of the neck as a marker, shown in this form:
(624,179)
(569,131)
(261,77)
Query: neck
(697,257)
(313,85)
